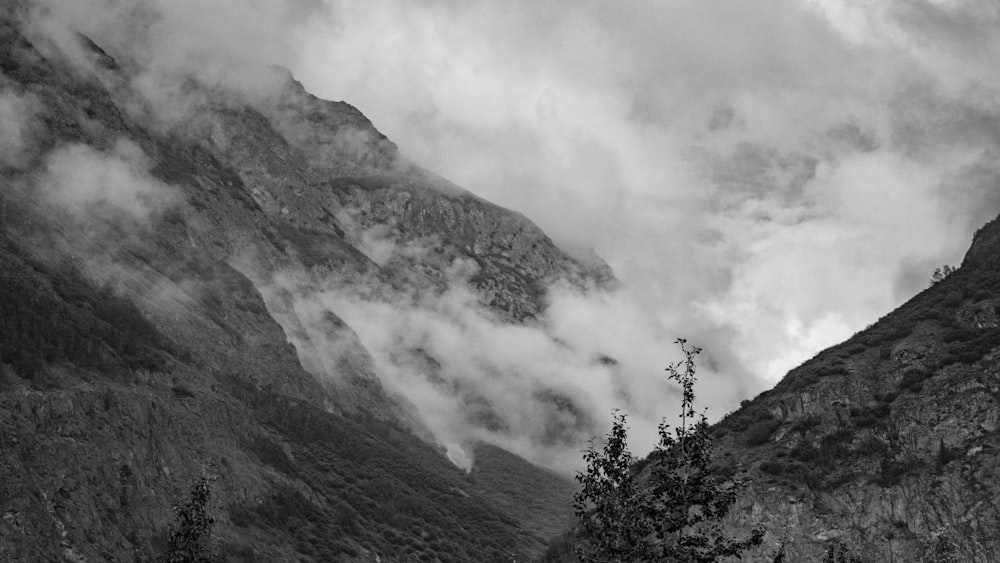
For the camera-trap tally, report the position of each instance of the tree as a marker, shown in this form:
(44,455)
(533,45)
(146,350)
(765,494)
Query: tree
(939,547)
(941,273)
(838,553)
(192,528)
(670,512)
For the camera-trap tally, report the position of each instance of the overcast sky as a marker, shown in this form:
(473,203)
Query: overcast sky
(774,176)
(766,178)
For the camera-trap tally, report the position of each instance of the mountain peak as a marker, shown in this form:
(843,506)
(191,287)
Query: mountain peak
(175,255)
(985,245)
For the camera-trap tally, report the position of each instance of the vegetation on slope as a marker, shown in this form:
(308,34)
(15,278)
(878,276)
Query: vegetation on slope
(50,313)
(669,507)
(336,487)
(540,501)
(903,409)
(354,485)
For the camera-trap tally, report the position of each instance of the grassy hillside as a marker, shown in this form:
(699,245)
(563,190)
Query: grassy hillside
(540,501)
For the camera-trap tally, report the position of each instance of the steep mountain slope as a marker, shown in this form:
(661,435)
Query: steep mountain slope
(144,339)
(889,441)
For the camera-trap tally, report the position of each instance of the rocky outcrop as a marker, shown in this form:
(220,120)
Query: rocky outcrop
(887,443)
(321,168)
(512,260)
(985,246)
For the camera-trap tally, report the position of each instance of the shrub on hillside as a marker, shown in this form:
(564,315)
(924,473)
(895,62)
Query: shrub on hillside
(759,433)
(806,423)
(912,378)
(942,273)
(891,471)
(190,534)
(74,321)
(676,513)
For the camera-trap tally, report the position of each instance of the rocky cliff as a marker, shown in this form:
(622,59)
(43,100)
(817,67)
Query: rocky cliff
(145,341)
(887,443)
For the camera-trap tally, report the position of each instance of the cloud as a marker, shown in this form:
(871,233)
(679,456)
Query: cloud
(539,389)
(726,160)
(164,46)
(16,112)
(111,184)
(764,182)
(184,35)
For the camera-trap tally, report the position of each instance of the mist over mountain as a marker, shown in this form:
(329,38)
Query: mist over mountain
(763,182)
(799,172)
(357,228)
(208,271)
(886,442)
(208,277)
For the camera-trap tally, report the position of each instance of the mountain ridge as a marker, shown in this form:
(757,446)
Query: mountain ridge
(168,244)
(887,441)
(147,339)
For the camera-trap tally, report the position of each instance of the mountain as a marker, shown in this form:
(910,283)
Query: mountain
(220,275)
(888,442)
(883,448)
(169,246)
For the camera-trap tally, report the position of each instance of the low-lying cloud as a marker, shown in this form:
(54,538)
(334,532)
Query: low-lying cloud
(539,389)
(764,182)
(785,176)
(88,182)
(16,112)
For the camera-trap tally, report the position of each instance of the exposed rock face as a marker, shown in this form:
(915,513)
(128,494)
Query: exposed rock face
(193,217)
(514,259)
(321,167)
(985,245)
(887,442)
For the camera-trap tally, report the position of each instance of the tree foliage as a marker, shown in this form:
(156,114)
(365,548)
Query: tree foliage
(941,273)
(838,553)
(671,511)
(940,547)
(192,528)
